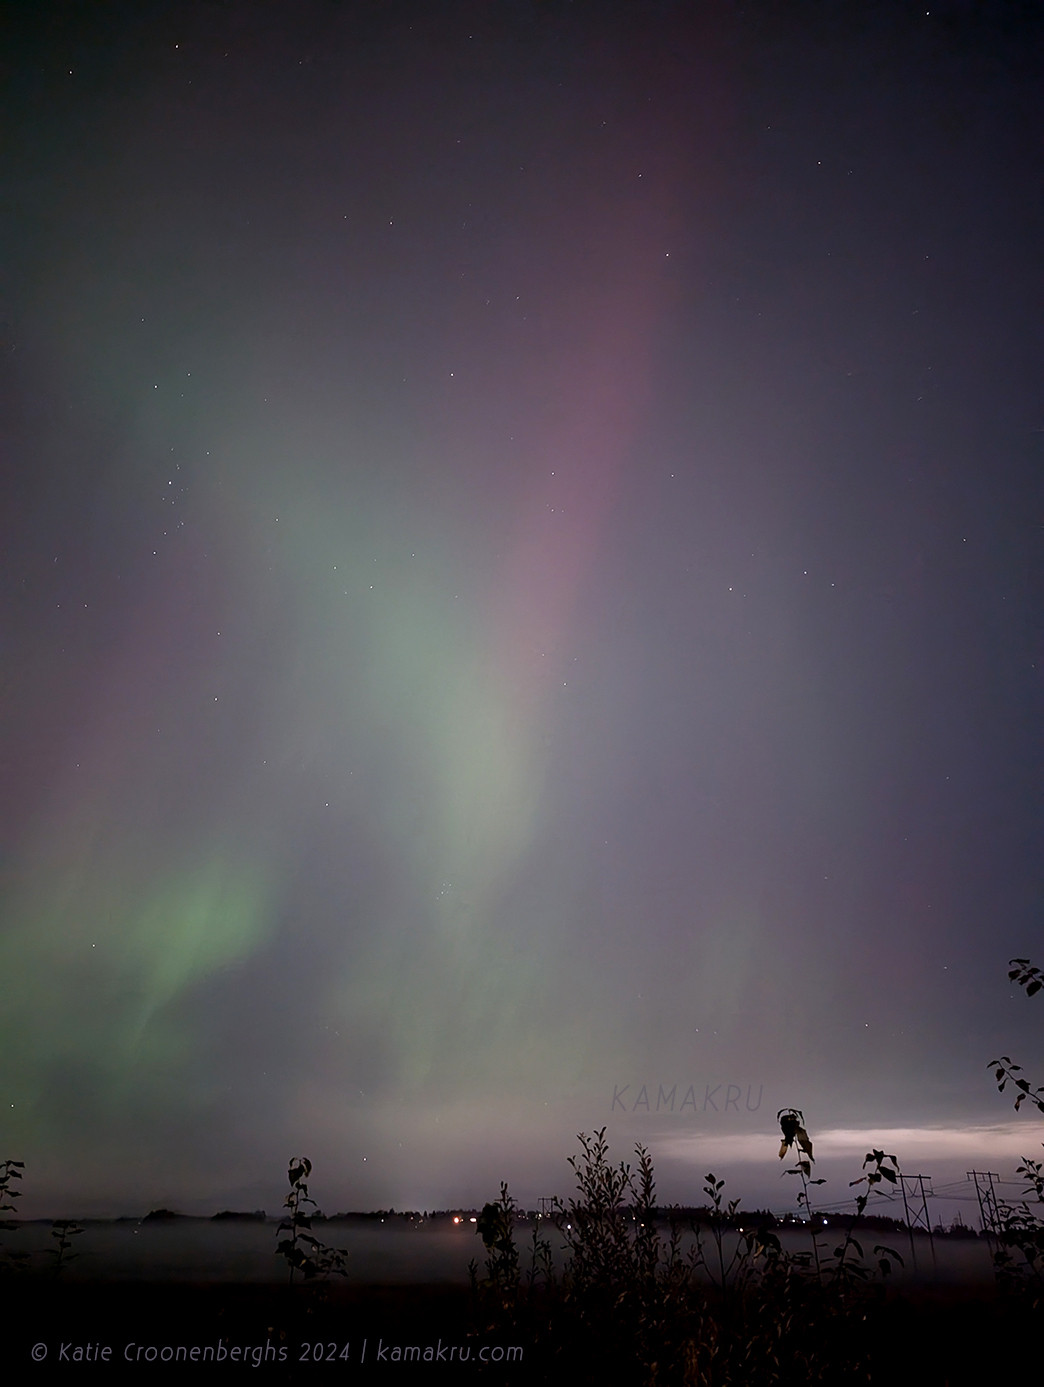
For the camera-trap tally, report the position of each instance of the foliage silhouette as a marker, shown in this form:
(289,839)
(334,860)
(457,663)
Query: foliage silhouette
(1004,1070)
(791,1124)
(63,1230)
(9,1172)
(1019,1258)
(641,1297)
(303,1252)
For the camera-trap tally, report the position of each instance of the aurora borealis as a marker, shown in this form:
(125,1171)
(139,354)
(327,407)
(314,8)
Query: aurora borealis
(522,571)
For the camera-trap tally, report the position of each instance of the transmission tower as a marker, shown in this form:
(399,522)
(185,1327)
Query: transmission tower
(987,1197)
(915,1207)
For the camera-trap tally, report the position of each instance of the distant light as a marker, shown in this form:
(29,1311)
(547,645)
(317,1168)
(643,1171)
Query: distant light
(456,1219)
(474,1220)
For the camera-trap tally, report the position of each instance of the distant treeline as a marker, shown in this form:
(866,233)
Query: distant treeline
(700,1214)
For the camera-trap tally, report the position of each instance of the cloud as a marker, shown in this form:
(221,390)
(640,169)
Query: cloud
(1002,1141)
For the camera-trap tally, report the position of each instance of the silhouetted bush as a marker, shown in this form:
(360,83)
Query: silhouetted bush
(629,1305)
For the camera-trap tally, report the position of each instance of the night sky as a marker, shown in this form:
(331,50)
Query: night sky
(522,580)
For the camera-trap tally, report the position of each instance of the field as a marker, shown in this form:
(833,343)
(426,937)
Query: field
(172,1296)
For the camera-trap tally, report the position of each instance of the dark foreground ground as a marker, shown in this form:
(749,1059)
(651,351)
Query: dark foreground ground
(416,1335)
